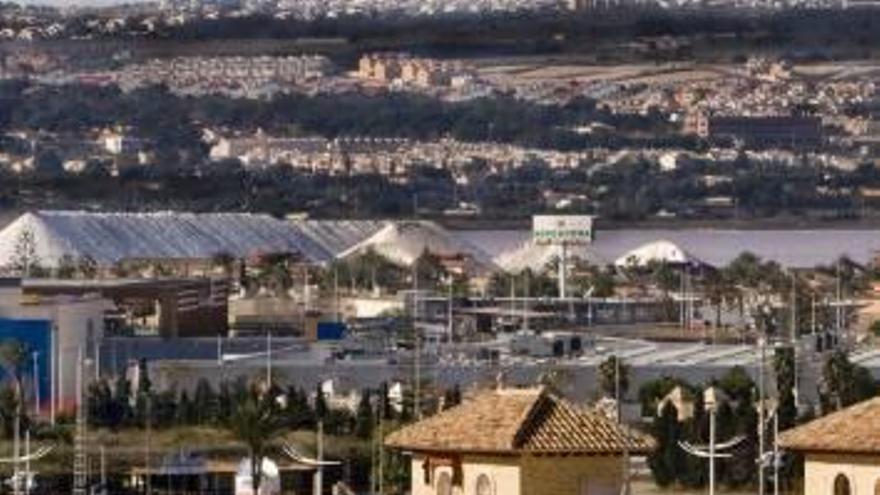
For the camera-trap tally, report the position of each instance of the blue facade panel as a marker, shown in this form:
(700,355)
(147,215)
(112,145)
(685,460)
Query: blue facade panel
(36,336)
(331,330)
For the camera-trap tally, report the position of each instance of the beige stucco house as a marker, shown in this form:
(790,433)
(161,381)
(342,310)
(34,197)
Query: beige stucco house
(841,451)
(518,442)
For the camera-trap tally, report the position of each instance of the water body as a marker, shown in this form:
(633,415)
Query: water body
(790,248)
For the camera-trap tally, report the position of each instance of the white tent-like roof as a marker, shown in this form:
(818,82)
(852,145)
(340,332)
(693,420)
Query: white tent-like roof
(661,251)
(536,257)
(111,237)
(403,242)
(337,236)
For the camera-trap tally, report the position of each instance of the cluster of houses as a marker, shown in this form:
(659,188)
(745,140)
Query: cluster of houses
(222,75)
(392,67)
(387,156)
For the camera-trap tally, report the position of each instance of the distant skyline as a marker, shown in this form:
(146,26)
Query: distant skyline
(79,3)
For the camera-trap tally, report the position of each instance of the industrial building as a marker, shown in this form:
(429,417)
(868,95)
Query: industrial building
(54,330)
(170,308)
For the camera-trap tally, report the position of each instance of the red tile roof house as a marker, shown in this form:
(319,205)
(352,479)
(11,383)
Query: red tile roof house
(518,442)
(841,451)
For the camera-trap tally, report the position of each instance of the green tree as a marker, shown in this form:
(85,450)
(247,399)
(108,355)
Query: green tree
(691,471)
(225,402)
(603,284)
(740,469)
(205,402)
(385,407)
(666,278)
(185,413)
(364,418)
(719,290)
(652,392)
(610,374)
(13,359)
(298,412)
(66,267)
(784,369)
(99,400)
(737,384)
(844,383)
(254,422)
(87,267)
(321,408)
(144,398)
(26,261)
(666,458)
(122,399)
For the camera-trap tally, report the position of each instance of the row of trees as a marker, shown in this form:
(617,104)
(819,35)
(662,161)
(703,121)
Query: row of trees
(843,384)
(636,189)
(120,405)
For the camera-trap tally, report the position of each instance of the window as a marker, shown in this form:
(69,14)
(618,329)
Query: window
(484,486)
(841,485)
(444,484)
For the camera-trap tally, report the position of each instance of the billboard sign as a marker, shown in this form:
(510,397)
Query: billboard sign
(562,229)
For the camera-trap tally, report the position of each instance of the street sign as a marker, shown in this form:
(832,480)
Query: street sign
(562,229)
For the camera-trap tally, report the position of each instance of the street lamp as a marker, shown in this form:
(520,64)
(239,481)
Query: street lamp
(711,400)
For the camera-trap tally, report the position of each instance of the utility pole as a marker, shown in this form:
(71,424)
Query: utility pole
(36,372)
(563,259)
(794,338)
(762,343)
(335,293)
(776,451)
(715,450)
(838,314)
(96,362)
(813,314)
(53,380)
(713,409)
(526,305)
(27,463)
(618,397)
(148,474)
(319,471)
(104,489)
(16,442)
(80,461)
(417,386)
(381,447)
(449,329)
(268,358)
(374,447)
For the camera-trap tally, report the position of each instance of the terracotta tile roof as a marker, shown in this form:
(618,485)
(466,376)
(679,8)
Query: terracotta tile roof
(855,429)
(519,421)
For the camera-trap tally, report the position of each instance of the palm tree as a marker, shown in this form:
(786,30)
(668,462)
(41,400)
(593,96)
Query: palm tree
(255,422)
(225,261)
(13,359)
(719,289)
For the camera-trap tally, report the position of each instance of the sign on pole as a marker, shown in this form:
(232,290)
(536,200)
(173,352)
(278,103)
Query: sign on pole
(562,229)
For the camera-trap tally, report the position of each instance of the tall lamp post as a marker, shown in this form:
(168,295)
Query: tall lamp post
(714,450)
